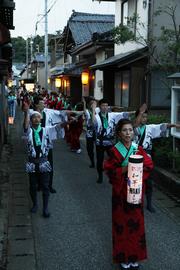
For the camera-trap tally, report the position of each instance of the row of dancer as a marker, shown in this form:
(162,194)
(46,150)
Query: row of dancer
(128,230)
(41,127)
(129,246)
(100,125)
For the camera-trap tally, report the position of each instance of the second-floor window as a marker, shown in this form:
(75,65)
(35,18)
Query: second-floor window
(129,13)
(124,13)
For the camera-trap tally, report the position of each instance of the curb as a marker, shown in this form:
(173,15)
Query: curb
(4,201)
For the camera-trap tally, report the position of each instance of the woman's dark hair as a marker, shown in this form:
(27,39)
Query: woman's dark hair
(121,123)
(137,112)
(37,99)
(103,100)
(79,106)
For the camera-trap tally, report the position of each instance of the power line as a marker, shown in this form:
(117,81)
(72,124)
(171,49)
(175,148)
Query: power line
(43,15)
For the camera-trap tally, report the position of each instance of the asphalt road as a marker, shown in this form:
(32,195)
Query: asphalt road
(77,236)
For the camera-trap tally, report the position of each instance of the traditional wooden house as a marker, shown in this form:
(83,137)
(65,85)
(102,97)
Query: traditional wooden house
(128,80)
(6,23)
(85,40)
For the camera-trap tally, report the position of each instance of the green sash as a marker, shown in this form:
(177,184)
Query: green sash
(105,120)
(36,135)
(126,153)
(142,129)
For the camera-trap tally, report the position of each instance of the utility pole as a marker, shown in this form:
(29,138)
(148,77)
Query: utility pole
(27,58)
(46,45)
(31,43)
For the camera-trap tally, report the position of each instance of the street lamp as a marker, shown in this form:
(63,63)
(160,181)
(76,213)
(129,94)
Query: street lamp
(10,83)
(84,80)
(58,82)
(84,77)
(22,82)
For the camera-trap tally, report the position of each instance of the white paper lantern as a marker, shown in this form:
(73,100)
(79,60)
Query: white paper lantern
(134,184)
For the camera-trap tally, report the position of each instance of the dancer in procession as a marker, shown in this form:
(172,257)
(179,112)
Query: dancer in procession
(105,123)
(38,143)
(144,135)
(89,111)
(75,124)
(128,232)
(50,117)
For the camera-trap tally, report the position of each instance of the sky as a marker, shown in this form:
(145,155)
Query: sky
(28,12)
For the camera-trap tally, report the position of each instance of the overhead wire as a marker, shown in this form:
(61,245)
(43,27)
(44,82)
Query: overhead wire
(43,15)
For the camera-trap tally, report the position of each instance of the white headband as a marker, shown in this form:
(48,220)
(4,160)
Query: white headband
(34,112)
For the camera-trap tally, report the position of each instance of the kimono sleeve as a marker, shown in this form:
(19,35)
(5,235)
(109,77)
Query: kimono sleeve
(113,169)
(147,163)
(26,133)
(57,116)
(116,116)
(55,132)
(159,130)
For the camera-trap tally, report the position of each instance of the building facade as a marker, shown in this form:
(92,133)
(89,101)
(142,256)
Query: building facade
(133,80)
(6,23)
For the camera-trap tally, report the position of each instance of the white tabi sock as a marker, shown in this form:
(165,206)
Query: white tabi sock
(125,265)
(134,264)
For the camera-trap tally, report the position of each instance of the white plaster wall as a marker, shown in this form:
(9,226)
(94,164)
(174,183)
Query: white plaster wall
(41,76)
(143,13)
(98,93)
(60,61)
(69,59)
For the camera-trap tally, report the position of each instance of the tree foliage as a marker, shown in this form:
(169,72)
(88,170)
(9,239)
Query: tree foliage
(168,58)
(19,47)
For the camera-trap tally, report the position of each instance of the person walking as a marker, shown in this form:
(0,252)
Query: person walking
(11,99)
(38,143)
(128,231)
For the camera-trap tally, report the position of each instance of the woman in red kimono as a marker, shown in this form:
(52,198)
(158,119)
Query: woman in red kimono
(128,232)
(75,130)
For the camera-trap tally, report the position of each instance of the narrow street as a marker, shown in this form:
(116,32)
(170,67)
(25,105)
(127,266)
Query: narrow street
(102,61)
(77,236)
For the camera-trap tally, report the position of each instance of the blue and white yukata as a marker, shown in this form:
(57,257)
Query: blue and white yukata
(38,167)
(51,117)
(90,135)
(143,136)
(105,135)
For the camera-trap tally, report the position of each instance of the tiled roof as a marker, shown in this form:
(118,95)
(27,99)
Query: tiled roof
(121,58)
(83,25)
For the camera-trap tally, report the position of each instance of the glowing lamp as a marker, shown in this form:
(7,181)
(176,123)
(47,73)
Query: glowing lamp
(58,82)
(65,83)
(49,80)
(22,82)
(9,83)
(134,183)
(84,77)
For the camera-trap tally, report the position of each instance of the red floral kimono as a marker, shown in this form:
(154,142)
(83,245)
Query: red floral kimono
(75,130)
(128,232)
